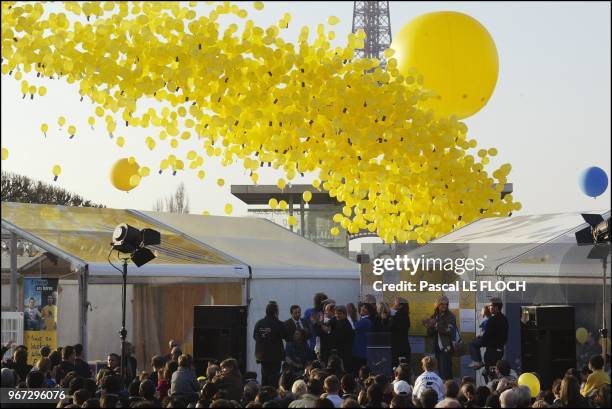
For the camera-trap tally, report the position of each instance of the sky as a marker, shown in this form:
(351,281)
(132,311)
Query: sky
(549,115)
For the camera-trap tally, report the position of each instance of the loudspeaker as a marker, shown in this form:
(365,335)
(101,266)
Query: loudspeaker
(548,345)
(219,332)
(378,353)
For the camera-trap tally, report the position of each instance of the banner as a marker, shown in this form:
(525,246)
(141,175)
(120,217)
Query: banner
(40,315)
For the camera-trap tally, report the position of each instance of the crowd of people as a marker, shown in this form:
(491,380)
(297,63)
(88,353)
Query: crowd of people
(313,360)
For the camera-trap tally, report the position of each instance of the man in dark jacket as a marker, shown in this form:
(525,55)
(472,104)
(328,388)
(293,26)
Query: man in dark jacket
(81,367)
(342,334)
(269,333)
(399,325)
(67,364)
(296,322)
(495,335)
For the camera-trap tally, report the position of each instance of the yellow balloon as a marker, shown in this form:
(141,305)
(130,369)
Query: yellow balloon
(120,141)
(61,121)
(56,170)
(456,56)
(228,209)
(334,231)
(531,381)
(273,203)
(281,184)
(220,182)
(5,154)
(122,172)
(307,196)
(291,220)
(282,205)
(135,180)
(582,335)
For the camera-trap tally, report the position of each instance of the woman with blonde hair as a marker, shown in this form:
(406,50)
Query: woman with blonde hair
(384,312)
(442,325)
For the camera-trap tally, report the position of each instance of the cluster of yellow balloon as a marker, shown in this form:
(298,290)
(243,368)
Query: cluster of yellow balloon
(244,94)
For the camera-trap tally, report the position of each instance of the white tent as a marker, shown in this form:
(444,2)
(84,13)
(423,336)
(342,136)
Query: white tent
(245,261)
(283,266)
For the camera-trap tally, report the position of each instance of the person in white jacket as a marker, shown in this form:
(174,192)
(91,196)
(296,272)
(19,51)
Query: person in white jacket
(429,379)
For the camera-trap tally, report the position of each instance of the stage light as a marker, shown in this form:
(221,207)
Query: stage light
(126,239)
(142,256)
(597,232)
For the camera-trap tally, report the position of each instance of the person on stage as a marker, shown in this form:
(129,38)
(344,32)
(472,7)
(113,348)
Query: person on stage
(495,335)
(269,334)
(441,325)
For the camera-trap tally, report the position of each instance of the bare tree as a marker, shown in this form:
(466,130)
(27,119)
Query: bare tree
(175,203)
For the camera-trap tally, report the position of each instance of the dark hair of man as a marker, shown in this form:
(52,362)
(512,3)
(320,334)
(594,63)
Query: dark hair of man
(109,400)
(35,380)
(67,352)
(293,308)
(451,389)
(596,362)
(78,349)
(158,362)
(111,384)
(315,387)
(20,356)
(91,403)
(403,372)
(75,384)
(503,367)
(80,397)
(271,309)
(429,398)
(348,384)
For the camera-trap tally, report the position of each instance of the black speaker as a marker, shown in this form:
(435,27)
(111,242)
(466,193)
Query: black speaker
(219,332)
(378,353)
(548,345)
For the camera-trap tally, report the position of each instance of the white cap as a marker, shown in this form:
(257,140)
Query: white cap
(402,388)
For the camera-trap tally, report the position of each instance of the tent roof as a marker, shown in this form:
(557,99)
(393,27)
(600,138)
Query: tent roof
(192,245)
(272,251)
(542,246)
(539,228)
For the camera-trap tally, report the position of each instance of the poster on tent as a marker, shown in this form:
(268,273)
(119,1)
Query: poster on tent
(40,315)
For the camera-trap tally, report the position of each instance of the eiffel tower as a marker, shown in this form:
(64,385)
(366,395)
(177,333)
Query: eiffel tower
(373,18)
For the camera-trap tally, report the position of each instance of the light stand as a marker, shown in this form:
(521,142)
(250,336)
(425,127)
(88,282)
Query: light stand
(123,331)
(131,241)
(598,235)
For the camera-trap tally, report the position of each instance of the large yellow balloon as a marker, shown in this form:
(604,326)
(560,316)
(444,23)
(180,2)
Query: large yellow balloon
(531,381)
(121,173)
(457,58)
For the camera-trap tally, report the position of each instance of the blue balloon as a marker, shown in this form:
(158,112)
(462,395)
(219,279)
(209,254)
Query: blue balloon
(593,181)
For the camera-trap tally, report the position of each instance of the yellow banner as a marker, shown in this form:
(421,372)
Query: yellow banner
(34,340)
